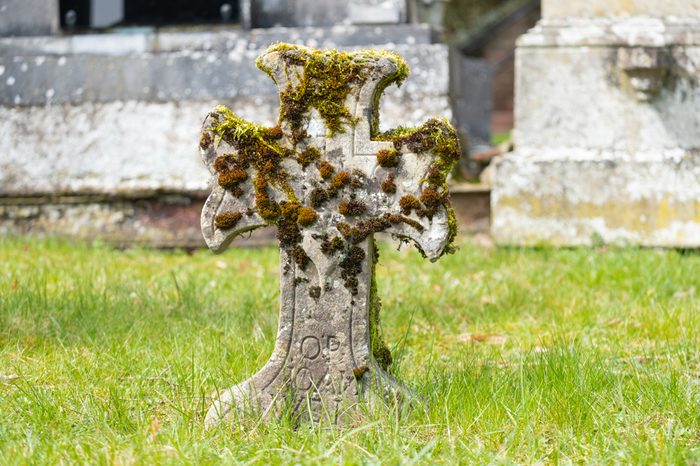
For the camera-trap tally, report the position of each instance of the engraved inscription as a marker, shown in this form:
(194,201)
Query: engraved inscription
(310,347)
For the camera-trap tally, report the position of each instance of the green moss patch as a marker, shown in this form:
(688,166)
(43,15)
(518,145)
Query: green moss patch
(326,79)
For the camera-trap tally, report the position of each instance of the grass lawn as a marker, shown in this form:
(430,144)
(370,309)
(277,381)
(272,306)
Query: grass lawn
(537,355)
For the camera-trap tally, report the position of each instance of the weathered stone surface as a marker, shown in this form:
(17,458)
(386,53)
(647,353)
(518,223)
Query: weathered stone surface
(157,100)
(68,103)
(582,100)
(161,221)
(619,8)
(376,11)
(28,17)
(64,149)
(653,202)
(269,13)
(607,131)
(161,77)
(223,41)
(328,180)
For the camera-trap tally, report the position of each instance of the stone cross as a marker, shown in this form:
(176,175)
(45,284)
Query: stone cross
(328,180)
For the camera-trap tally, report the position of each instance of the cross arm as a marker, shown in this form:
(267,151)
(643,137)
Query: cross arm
(412,199)
(250,169)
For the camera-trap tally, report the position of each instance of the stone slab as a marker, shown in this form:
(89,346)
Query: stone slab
(569,201)
(470,81)
(161,221)
(608,32)
(577,97)
(297,13)
(28,17)
(185,75)
(72,149)
(222,40)
(376,11)
(619,8)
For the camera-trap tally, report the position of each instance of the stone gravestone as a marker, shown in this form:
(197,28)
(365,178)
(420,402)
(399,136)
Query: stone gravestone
(328,181)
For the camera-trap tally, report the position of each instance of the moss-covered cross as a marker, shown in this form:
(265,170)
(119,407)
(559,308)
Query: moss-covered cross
(327,195)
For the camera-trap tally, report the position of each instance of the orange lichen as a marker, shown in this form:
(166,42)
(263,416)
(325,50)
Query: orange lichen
(306,216)
(340,179)
(227,220)
(388,185)
(326,170)
(205,141)
(330,246)
(409,203)
(317,197)
(388,158)
(229,179)
(352,207)
(300,257)
(351,267)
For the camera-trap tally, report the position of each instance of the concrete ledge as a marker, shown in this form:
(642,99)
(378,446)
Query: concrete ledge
(582,202)
(471,203)
(128,42)
(164,221)
(626,32)
(121,148)
(179,75)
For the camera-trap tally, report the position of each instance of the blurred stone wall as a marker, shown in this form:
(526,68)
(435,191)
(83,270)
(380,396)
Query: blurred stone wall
(607,130)
(99,131)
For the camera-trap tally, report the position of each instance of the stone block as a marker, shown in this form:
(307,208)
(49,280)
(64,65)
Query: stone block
(470,91)
(377,11)
(28,17)
(49,150)
(570,201)
(128,71)
(619,8)
(303,13)
(67,103)
(607,133)
(571,96)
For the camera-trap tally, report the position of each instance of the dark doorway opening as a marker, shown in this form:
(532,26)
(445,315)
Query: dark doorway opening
(82,15)
(174,12)
(75,14)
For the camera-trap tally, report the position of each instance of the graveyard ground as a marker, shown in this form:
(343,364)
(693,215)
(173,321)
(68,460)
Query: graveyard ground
(530,355)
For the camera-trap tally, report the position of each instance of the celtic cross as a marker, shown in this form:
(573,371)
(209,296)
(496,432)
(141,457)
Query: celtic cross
(327,195)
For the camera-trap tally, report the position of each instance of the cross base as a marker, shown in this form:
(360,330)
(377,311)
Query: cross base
(322,365)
